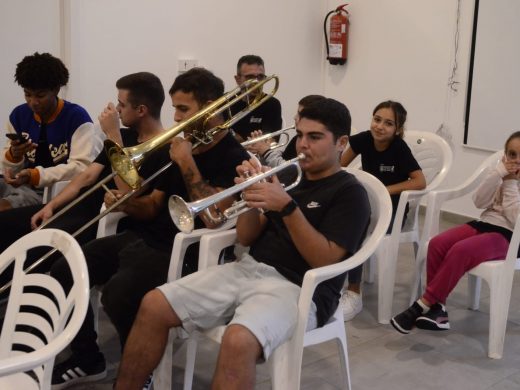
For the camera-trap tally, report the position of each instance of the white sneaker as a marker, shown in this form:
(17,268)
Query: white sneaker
(351,303)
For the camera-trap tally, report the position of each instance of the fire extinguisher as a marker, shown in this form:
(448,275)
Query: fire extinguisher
(337,48)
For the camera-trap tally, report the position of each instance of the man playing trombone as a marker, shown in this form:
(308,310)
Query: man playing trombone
(135,261)
(319,222)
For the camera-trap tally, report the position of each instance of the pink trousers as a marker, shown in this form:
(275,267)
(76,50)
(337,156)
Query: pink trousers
(454,252)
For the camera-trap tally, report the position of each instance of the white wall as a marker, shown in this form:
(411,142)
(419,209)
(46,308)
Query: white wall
(153,36)
(25,27)
(403,50)
(399,49)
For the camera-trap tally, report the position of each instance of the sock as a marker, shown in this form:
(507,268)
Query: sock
(423,306)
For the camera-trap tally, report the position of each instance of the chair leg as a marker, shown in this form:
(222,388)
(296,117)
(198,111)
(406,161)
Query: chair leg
(417,284)
(283,367)
(370,269)
(386,261)
(474,286)
(343,360)
(162,376)
(498,312)
(189,368)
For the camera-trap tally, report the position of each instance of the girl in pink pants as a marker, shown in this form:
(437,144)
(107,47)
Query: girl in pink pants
(454,252)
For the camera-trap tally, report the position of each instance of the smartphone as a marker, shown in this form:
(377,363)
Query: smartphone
(16,137)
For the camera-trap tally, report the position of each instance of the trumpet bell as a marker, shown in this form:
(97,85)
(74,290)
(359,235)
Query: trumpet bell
(181,214)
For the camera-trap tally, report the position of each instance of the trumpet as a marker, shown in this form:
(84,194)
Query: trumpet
(274,144)
(183,213)
(126,161)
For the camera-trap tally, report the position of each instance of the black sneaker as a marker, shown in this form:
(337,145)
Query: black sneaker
(435,319)
(78,370)
(148,384)
(405,321)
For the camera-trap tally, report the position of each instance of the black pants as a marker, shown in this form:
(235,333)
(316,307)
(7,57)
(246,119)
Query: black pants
(127,268)
(16,223)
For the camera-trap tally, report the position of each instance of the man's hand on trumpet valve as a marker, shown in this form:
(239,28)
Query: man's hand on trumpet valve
(268,195)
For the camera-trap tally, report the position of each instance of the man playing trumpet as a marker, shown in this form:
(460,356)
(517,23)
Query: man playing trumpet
(320,222)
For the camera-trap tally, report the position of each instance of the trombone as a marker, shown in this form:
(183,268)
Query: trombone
(183,213)
(274,144)
(126,161)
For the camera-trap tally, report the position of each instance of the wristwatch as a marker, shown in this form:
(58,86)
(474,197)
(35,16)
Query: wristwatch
(288,208)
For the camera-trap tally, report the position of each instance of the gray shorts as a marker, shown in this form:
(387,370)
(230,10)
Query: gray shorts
(243,292)
(19,196)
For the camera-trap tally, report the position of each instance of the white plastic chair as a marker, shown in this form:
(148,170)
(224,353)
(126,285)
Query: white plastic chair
(107,226)
(285,363)
(51,191)
(435,157)
(38,322)
(498,273)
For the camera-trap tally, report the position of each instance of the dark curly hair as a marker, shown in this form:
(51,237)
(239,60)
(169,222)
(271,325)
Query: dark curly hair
(41,71)
(202,83)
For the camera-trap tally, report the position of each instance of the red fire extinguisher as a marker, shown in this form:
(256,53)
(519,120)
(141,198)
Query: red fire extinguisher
(337,47)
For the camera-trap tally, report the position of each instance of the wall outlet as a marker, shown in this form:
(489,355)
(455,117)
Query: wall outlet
(185,65)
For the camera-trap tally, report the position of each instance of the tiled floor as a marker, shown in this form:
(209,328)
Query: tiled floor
(381,358)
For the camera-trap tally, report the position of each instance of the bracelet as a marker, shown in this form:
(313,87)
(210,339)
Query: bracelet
(288,209)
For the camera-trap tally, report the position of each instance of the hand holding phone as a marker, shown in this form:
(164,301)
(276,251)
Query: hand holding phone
(16,137)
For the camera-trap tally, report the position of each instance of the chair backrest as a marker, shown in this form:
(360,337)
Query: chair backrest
(38,323)
(51,191)
(380,216)
(433,154)
(378,201)
(435,199)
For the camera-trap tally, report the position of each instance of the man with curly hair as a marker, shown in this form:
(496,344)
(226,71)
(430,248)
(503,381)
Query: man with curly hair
(50,139)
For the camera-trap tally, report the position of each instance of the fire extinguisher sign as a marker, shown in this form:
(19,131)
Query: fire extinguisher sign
(335,50)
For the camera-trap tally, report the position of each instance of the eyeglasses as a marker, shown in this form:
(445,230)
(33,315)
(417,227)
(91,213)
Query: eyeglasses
(259,77)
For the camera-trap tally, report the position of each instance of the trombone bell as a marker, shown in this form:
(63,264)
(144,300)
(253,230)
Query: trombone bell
(122,163)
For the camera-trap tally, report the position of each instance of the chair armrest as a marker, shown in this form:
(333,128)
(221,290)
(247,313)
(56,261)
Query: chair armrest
(107,225)
(183,240)
(52,190)
(212,244)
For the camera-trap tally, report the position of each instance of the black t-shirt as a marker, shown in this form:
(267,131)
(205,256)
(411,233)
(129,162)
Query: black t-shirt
(391,166)
(217,166)
(338,207)
(267,117)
